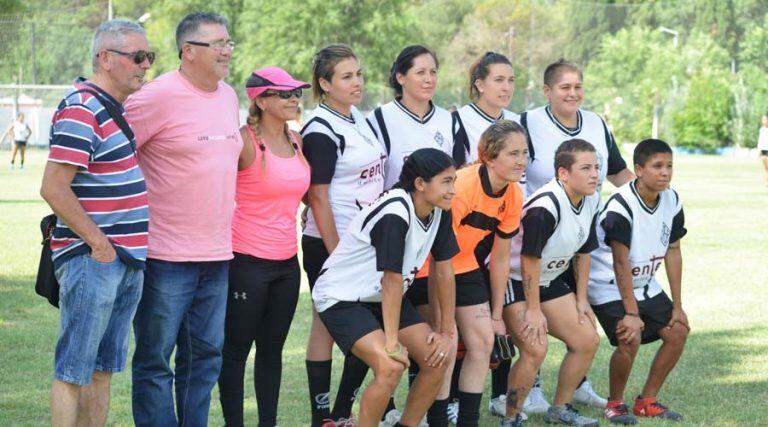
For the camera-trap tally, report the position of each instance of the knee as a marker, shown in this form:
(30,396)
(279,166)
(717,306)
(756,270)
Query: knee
(388,372)
(629,349)
(678,335)
(101,377)
(586,344)
(533,353)
(480,346)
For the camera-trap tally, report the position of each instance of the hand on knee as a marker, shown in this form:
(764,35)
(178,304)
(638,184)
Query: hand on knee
(678,335)
(533,354)
(387,372)
(629,349)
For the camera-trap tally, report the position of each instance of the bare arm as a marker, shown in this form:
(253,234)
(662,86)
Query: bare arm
(621,178)
(581,274)
(499,274)
(57,192)
(534,323)
(673,264)
(444,283)
(630,326)
(391,299)
(317,198)
(248,153)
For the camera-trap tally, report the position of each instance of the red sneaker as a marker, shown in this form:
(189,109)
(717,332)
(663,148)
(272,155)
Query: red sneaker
(616,412)
(649,407)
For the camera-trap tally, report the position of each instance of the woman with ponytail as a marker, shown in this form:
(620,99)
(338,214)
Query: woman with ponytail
(264,275)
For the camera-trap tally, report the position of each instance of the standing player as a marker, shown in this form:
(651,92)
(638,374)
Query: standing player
(762,145)
(347,174)
(412,121)
(557,228)
(380,253)
(548,126)
(641,225)
(21,133)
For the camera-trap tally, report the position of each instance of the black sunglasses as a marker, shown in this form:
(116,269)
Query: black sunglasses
(138,57)
(284,94)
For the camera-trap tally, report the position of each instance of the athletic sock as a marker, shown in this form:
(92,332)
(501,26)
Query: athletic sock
(454,393)
(469,409)
(537,380)
(319,379)
(437,416)
(413,370)
(351,378)
(583,380)
(499,378)
(390,406)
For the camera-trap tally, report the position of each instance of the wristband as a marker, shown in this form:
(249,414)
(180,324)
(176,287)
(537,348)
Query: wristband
(395,352)
(631,314)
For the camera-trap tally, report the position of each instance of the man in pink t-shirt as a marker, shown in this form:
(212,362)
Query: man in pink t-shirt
(186,124)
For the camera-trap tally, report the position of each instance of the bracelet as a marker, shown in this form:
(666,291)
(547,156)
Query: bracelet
(395,352)
(500,319)
(632,314)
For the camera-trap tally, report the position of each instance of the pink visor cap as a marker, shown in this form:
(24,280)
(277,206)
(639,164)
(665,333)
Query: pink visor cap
(274,78)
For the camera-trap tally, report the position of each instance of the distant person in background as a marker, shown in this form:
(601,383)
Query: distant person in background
(762,145)
(22,132)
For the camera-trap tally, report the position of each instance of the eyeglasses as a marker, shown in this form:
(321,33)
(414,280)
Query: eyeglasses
(138,57)
(284,94)
(217,45)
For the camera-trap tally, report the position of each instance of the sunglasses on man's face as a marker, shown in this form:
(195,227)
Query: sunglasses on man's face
(138,57)
(285,94)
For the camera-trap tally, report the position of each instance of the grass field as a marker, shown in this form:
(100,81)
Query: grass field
(721,380)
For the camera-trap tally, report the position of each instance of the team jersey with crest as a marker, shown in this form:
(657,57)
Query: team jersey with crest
(546,133)
(472,123)
(646,231)
(385,235)
(554,230)
(344,153)
(402,132)
(478,214)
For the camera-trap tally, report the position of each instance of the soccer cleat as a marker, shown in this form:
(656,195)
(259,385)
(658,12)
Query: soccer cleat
(341,422)
(649,407)
(391,418)
(535,402)
(568,416)
(585,395)
(453,411)
(516,421)
(497,407)
(616,412)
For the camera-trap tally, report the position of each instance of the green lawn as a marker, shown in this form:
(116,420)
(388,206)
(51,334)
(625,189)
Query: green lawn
(721,380)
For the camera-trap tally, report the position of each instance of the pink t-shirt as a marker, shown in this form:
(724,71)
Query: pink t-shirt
(267,200)
(189,143)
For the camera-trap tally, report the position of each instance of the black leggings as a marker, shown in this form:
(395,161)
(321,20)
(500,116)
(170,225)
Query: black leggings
(260,306)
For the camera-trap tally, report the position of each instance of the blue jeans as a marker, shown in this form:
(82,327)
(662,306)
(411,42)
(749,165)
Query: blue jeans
(97,302)
(183,306)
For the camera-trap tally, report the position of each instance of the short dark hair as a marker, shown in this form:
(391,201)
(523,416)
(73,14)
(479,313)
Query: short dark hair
(190,24)
(404,62)
(324,63)
(554,70)
(423,163)
(481,67)
(565,156)
(647,148)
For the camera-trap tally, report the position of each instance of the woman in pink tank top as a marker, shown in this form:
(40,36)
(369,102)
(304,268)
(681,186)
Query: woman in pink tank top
(264,275)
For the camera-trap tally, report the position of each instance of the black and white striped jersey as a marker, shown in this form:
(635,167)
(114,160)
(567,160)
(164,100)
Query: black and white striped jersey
(402,132)
(554,230)
(385,235)
(646,231)
(344,153)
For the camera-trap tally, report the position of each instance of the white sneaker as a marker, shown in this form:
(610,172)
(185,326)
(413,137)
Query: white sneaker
(453,411)
(535,402)
(497,407)
(423,422)
(585,395)
(391,418)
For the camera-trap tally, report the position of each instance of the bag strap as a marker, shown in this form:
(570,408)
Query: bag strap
(114,113)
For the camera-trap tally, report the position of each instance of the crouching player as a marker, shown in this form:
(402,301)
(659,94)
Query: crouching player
(641,225)
(359,292)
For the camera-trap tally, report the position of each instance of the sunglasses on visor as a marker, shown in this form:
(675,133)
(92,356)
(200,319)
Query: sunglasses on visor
(138,57)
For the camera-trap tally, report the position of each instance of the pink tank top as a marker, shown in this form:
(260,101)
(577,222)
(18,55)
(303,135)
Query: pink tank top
(267,202)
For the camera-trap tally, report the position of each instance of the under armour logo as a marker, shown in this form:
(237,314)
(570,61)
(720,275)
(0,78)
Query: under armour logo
(323,400)
(240,295)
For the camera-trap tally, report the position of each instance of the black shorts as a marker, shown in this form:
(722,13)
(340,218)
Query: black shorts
(556,289)
(20,143)
(314,255)
(347,321)
(764,153)
(655,312)
(471,289)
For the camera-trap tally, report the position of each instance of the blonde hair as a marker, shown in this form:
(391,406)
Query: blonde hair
(494,138)
(254,120)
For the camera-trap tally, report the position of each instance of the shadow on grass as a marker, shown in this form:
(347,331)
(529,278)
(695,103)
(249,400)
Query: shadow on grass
(721,379)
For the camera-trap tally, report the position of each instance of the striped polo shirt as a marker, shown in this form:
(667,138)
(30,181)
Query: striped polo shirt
(108,183)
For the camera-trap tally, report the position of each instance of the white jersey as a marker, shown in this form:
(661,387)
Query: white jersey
(646,231)
(402,132)
(472,123)
(546,133)
(385,235)
(344,153)
(21,131)
(762,139)
(554,230)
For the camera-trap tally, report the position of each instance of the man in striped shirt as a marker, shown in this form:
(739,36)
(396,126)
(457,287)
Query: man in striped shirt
(93,183)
